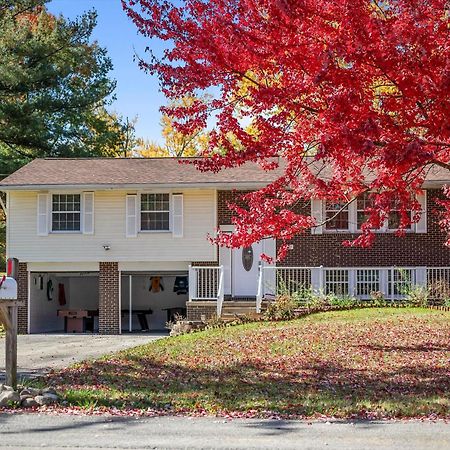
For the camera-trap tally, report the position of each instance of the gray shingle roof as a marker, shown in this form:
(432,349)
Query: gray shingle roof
(127,172)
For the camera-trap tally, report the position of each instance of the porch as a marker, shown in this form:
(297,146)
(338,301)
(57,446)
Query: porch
(208,296)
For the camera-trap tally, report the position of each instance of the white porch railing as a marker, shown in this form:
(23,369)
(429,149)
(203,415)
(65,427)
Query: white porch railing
(206,283)
(359,282)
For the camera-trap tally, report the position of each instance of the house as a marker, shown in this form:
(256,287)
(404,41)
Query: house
(121,244)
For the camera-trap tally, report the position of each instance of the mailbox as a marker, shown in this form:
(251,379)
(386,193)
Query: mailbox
(8,289)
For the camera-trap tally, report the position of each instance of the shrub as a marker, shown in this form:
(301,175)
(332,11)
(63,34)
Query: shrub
(378,298)
(342,302)
(316,301)
(283,308)
(417,296)
(439,291)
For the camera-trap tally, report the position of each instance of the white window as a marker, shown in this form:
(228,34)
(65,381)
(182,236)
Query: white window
(155,212)
(394,219)
(66,212)
(336,216)
(363,202)
(340,217)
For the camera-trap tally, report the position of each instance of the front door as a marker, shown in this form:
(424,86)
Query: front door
(245,270)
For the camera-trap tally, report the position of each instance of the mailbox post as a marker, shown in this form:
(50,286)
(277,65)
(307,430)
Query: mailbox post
(8,317)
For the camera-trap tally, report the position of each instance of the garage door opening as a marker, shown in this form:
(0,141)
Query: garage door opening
(64,302)
(150,300)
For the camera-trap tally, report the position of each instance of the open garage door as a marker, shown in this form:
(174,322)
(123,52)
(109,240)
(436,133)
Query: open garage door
(63,302)
(151,299)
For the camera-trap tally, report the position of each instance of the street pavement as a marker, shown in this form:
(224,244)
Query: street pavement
(31,431)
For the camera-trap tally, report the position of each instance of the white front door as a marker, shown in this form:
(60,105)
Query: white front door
(245,270)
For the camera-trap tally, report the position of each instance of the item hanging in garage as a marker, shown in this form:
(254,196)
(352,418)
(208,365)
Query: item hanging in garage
(181,285)
(156,284)
(61,294)
(49,290)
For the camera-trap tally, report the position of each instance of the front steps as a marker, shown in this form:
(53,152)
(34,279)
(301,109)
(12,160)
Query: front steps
(233,309)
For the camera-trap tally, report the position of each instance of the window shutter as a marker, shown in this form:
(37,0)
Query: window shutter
(177,215)
(131,213)
(42,215)
(88,213)
(421,225)
(317,214)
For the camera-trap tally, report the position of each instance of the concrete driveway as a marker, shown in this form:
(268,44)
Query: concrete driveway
(38,353)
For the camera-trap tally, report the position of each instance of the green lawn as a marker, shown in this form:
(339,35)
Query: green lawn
(366,363)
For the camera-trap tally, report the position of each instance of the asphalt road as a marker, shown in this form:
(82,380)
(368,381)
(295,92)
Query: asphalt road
(30,431)
(38,353)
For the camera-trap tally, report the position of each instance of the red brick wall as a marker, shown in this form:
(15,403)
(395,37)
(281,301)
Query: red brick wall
(414,249)
(109,312)
(22,295)
(224,215)
(195,310)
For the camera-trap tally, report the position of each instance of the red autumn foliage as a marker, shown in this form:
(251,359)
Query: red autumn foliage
(351,97)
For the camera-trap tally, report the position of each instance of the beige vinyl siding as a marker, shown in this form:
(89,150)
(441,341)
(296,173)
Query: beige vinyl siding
(25,244)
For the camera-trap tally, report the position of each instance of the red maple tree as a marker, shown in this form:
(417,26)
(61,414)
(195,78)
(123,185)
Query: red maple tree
(337,98)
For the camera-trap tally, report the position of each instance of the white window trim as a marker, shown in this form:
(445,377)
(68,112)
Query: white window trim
(50,212)
(353,222)
(340,230)
(140,230)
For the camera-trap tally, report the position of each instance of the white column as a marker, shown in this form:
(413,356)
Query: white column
(317,280)
(421,277)
(130,304)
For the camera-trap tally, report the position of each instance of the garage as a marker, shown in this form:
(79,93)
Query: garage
(150,299)
(63,302)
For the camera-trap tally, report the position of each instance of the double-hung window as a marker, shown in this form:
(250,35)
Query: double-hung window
(342,217)
(66,212)
(394,219)
(336,216)
(363,203)
(155,212)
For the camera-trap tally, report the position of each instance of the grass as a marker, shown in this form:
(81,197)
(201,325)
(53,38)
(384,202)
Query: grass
(366,363)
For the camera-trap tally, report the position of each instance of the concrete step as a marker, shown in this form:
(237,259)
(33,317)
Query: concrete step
(230,317)
(239,303)
(237,311)
(231,310)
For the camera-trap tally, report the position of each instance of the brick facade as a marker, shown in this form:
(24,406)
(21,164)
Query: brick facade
(195,310)
(109,295)
(22,295)
(224,214)
(414,249)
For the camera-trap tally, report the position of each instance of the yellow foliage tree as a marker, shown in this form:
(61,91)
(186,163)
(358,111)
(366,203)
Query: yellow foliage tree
(176,143)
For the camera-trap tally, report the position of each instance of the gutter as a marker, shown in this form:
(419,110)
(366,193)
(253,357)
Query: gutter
(136,186)
(107,187)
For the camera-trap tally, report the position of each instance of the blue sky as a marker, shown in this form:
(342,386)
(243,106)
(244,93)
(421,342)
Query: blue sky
(137,93)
